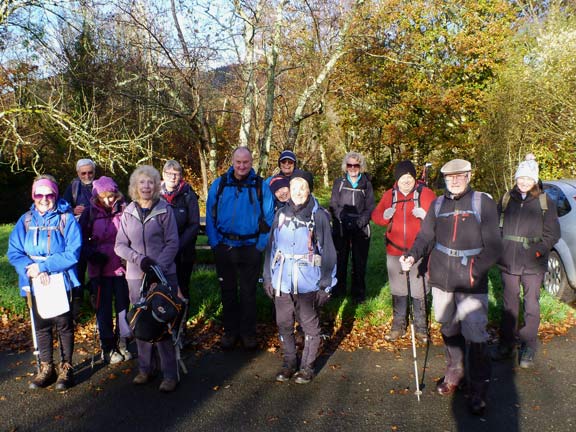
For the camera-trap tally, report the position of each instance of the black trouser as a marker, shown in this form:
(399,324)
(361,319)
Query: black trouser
(358,243)
(286,306)
(64,329)
(238,269)
(184,273)
(109,290)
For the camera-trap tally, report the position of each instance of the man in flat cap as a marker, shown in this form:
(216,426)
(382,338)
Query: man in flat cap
(462,232)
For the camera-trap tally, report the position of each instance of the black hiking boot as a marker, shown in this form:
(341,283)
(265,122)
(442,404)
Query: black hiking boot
(44,377)
(65,377)
(304,376)
(285,373)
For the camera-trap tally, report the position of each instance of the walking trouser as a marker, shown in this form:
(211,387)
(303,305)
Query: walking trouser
(238,269)
(64,325)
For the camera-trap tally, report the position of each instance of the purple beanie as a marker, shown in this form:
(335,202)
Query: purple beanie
(104,184)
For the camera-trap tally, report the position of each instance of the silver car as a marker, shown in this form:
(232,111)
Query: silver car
(560,280)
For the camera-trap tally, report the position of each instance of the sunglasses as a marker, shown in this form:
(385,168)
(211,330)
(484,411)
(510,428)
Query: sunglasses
(83,173)
(352,165)
(49,197)
(287,161)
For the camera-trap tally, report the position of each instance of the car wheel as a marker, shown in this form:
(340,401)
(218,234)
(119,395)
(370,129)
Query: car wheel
(555,280)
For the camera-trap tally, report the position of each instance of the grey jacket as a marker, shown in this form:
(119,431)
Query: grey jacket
(154,236)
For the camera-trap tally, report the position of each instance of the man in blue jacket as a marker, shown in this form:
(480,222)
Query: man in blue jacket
(239,213)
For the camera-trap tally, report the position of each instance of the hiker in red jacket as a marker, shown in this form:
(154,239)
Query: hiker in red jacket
(402,209)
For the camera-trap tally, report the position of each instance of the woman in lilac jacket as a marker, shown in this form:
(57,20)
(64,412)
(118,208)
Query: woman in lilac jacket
(100,222)
(148,236)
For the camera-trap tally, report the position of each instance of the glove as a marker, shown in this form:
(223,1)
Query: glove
(269,290)
(389,212)
(322,297)
(419,212)
(146,264)
(98,258)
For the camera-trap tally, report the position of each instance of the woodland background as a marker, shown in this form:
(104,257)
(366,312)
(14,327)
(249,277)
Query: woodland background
(128,82)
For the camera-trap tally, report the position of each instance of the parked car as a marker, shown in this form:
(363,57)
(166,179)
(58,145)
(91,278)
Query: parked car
(560,280)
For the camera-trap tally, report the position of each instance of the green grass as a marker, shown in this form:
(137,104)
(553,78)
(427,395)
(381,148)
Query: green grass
(205,294)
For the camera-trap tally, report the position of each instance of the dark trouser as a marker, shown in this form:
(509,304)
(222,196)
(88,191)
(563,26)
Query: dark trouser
(184,272)
(64,329)
(109,290)
(238,269)
(166,349)
(358,243)
(286,306)
(531,284)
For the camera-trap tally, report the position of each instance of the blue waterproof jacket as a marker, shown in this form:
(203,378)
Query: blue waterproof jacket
(300,256)
(234,217)
(44,243)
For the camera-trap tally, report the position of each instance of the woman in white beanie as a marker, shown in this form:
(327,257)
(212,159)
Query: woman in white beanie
(529,227)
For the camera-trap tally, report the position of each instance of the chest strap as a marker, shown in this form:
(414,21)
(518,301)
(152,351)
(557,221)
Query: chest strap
(464,253)
(526,241)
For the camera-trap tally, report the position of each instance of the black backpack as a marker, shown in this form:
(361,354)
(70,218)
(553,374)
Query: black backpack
(158,314)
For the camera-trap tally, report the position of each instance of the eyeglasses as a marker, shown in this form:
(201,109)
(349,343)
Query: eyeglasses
(171,174)
(349,165)
(49,197)
(85,173)
(454,177)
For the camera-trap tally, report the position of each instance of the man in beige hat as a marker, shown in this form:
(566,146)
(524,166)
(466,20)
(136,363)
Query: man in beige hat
(462,232)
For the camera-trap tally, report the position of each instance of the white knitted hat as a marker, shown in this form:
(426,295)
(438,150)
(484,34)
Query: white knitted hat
(528,168)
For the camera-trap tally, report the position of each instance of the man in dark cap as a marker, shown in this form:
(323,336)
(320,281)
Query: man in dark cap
(462,232)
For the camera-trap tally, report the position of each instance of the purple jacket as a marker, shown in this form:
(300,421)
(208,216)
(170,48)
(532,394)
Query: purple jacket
(99,228)
(154,235)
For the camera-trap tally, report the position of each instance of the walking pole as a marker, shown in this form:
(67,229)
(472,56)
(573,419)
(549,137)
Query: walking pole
(418,392)
(33,324)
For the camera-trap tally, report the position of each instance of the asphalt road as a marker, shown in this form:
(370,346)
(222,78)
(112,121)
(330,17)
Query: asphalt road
(235,391)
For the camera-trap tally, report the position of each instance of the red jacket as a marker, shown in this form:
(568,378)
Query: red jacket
(403,226)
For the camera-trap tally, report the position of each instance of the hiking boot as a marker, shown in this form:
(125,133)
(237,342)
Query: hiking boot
(45,376)
(123,349)
(141,378)
(527,358)
(65,377)
(445,388)
(395,334)
(249,341)
(303,376)
(285,373)
(168,385)
(503,352)
(228,341)
(421,336)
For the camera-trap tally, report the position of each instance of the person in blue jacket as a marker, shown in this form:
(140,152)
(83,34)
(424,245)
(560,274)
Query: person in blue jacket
(299,272)
(239,212)
(46,241)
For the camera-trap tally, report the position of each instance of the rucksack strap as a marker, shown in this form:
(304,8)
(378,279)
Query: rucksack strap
(506,200)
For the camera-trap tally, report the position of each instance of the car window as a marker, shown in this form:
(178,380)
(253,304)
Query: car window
(562,204)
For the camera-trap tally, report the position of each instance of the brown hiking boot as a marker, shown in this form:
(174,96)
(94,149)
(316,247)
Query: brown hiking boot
(65,377)
(395,334)
(45,376)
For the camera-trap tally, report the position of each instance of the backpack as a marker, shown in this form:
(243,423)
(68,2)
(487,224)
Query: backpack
(476,206)
(395,200)
(60,227)
(158,313)
(506,200)
(263,227)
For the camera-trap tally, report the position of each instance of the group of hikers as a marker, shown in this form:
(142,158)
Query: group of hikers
(276,229)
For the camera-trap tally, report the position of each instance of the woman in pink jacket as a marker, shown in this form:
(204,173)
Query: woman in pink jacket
(108,288)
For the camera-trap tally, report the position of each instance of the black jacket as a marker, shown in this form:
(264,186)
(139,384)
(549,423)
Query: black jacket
(524,219)
(351,208)
(460,231)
